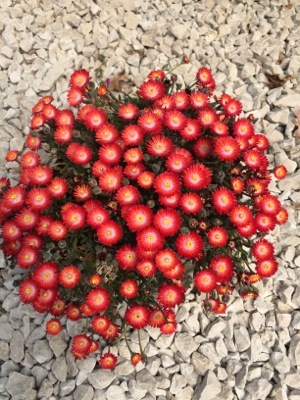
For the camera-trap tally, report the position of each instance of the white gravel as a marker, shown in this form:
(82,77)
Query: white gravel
(253,353)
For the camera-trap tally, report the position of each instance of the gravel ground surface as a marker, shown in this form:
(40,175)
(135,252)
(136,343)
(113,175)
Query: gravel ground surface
(253,48)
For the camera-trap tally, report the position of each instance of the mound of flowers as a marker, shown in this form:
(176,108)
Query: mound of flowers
(142,197)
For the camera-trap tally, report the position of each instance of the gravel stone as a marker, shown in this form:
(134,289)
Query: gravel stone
(209,388)
(67,387)
(4,351)
(41,351)
(259,388)
(115,392)
(19,384)
(60,369)
(6,331)
(17,347)
(185,344)
(83,392)
(85,368)
(57,344)
(101,379)
(202,364)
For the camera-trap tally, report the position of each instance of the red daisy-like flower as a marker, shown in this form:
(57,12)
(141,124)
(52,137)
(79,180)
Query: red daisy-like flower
(165,103)
(282,216)
(267,268)
(31,239)
(98,300)
(150,238)
(159,146)
(167,221)
(223,266)
(132,135)
(146,268)
(136,358)
(223,200)
(110,153)
(203,148)
(189,245)
(168,328)
(111,333)
(46,275)
(133,155)
(128,111)
(14,198)
(205,281)
(64,117)
(243,144)
(127,257)
(49,112)
(79,154)
(95,280)
(226,148)
(253,159)
(40,175)
(176,272)
(167,183)
(204,76)
(100,324)
(256,187)
(207,116)
(129,289)
(181,100)
(26,219)
(74,96)
(146,179)
(58,307)
(241,215)
(243,128)
(270,205)
(280,172)
(150,123)
(28,291)
(248,230)
(262,250)
(261,142)
(98,168)
(95,118)
(57,230)
(217,236)
(81,344)
(197,176)
(107,133)
(38,199)
(174,120)
(109,233)
(192,130)
(128,195)
(58,187)
(199,100)
(133,171)
(82,192)
(111,179)
(73,312)
(264,222)
(157,74)
(80,78)
(219,128)
(86,310)
(170,201)
(137,316)
(12,155)
(53,326)
(97,216)
(177,162)
(151,90)
(237,185)
(233,108)
(37,121)
(69,276)
(138,217)
(11,230)
(63,134)
(81,113)
(166,259)
(191,203)
(170,295)
(157,318)
(108,361)
(27,257)
(30,159)
(74,217)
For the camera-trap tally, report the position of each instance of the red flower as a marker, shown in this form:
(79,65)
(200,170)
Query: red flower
(167,221)
(98,300)
(177,162)
(165,103)
(261,142)
(176,272)
(146,268)
(223,200)
(49,112)
(31,239)
(132,135)
(189,245)
(204,76)
(14,198)
(98,168)
(197,177)
(128,195)
(181,100)
(28,291)
(170,295)
(146,179)
(137,316)
(11,230)
(95,280)
(191,203)
(63,134)
(158,74)
(150,123)
(175,120)
(53,326)
(207,116)
(133,171)
(111,179)
(95,118)
(111,332)
(233,108)
(136,358)
(129,289)
(81,344)
(223,266)
(226,148)
(203,148)
(237,185)
(160,146)
(126,257)
(110,153)
(58,307)
(199,100)
(270,205)
(138,217)
(97,216)
(64,117)
(74,96)
(217,236)
(107,133)
(82,192)
(74,217)
(30,159)
(151,90)
(26,219)
(57,230)
(262,249)
(73,313)
(80,78)
(108,361)
(133,155)
(170,201)
(168,328)
(167,183)
(219,128)
(69,276)
(241,215)
(79,154)
(128,111)
(243,128)
(205,281)
(267,268)
(37,121)
(150,239)
(264,222)
(248,230)
(27,257)
(282,216)
(192,130)
(43,225)
(156,318)
(109,233)
(253,159)
(100,324)
(166,259)
(46,275)
(280,172)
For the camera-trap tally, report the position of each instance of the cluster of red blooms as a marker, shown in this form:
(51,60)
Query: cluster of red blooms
(162,187)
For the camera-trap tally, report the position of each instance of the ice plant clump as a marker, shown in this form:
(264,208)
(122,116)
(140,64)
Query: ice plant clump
(145,195)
